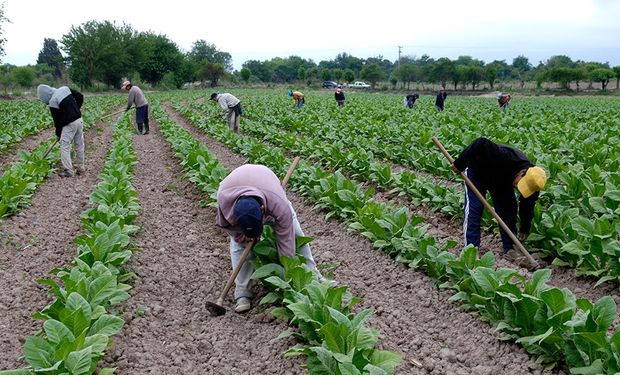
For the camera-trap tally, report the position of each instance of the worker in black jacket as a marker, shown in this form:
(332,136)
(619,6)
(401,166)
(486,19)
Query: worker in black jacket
(65,104)
(441,98)
(499,169)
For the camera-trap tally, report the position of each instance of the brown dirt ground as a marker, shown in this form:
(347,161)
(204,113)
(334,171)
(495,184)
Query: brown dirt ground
(414,318)
(39,239)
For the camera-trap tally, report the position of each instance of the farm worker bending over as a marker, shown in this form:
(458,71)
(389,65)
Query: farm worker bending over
(231,107)
(65,105)
(137,98)
(339,95)
(248,197)
(441,98)
(503,100)
(498,169)
(409,100)
(298,97)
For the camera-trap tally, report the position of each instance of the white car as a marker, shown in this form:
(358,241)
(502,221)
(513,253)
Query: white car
(360,84)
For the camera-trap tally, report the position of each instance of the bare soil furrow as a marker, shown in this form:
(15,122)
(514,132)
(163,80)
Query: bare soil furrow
(184,262)
(414,317)
(39,239)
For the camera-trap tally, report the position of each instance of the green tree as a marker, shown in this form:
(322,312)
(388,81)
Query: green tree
(407,73)
(560,61)
(202,51)
(259,69)
(474,74)
(490,74)
(6,78)
(161,56)
(603,76)
(245,74)
(521,65)
(372,73)
(459,75)
(3,19)
(564,76)
(393,80)
(616,69)
(349,75)
(326,74)
(211,72)
(23,75)
(301,73)
(99,50)
(338,74)
(50,55)
(441,71)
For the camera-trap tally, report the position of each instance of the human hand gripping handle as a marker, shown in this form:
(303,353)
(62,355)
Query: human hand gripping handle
(486,204)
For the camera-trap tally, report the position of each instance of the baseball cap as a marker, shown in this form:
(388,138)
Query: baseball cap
(125,84)
(534,180)
(249,216)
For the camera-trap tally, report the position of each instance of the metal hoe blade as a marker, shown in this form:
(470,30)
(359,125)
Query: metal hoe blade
(214,309)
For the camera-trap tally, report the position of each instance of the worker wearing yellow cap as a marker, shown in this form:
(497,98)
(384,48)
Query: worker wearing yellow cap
(499,169)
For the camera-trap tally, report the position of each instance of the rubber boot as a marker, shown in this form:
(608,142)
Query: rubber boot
(140,129)
(146,128)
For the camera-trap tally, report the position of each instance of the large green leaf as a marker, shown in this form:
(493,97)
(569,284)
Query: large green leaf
(56,331)
(39,353)
(385,360)
(79,362)
(604,312)
(106,325)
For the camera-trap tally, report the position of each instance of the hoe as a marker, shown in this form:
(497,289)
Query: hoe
(217,308)
(534,264)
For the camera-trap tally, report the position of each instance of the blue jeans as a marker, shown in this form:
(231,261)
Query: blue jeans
(504,202)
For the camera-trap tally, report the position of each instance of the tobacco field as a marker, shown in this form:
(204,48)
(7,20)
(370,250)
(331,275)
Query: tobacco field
(109,272)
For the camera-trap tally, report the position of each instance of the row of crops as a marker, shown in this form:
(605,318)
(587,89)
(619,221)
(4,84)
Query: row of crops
(78,324)
(371,139)
(549,322)
(20,179)
(577,141)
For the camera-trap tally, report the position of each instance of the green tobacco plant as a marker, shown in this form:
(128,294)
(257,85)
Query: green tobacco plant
(76,326)
(337,340)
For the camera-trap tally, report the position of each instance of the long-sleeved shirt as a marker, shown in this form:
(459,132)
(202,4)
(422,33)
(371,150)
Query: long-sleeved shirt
(339,95)
(257,181)
(227,101)
(498,165)
(297,96)
(65,105)
(136,96)
(440,99)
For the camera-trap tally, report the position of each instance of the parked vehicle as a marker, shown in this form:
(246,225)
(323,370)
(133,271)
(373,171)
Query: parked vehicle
(359,84)
(329,84)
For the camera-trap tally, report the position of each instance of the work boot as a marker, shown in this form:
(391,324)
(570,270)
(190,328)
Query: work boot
(243,304)
(65,173)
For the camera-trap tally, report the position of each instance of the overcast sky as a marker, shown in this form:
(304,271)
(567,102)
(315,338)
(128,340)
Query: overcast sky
(320,29)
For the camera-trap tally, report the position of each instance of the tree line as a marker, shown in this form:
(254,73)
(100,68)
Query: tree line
(107,53)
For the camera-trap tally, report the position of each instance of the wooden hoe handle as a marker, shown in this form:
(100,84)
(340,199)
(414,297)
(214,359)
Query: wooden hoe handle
(486,204)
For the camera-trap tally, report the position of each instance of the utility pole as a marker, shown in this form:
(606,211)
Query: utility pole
(399,48)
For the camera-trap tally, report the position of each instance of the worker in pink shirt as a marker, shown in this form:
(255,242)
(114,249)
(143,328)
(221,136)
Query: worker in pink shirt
(249,197)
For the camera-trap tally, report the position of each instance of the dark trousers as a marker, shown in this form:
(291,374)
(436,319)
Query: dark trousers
(504,202)
(142,117)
